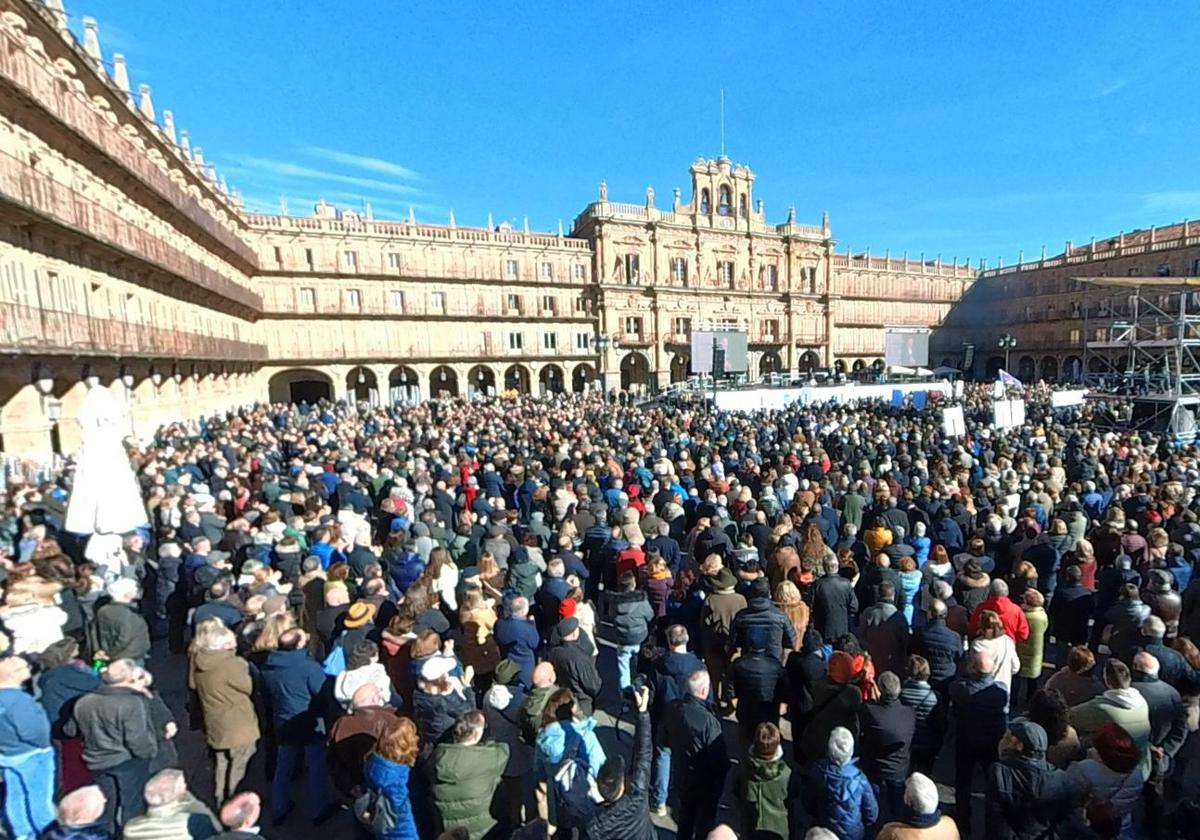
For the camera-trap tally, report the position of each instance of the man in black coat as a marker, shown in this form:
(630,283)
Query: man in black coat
(1168,727)
(941,647)
(699,758)
(978,703)
(670,676)
(1071,608)
(1173,668)
(624,812)
(760,685)
(1026,797)
(762,618)
(575,666)
(886,730)
(834,604)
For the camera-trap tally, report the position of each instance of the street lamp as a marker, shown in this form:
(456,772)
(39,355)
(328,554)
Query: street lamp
(43,380)
(1007,343)
(127,378)
(90,378)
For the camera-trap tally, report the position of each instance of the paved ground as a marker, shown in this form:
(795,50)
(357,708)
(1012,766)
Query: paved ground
(615,736)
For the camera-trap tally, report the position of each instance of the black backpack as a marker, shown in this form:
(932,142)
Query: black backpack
(374,812)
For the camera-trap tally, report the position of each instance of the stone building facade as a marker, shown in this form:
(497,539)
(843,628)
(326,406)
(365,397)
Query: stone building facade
(125,260)
(1052,315)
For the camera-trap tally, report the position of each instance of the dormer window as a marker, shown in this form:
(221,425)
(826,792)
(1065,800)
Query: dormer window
(725,202)
(705,203)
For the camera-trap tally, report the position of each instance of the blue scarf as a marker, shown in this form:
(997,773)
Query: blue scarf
(911,817)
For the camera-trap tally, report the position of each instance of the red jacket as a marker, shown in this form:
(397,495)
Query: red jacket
(1011,616)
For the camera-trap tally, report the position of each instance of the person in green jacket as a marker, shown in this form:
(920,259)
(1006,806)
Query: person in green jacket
(1120,704)
(1031,650)
(545,683)
(465,776)
(763,786)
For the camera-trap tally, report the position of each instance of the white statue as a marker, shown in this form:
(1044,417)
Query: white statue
(105,498)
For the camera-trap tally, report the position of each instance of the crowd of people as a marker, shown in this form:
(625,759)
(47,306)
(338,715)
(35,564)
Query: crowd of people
(440,618)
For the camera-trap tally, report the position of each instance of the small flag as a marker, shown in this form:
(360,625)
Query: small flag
(1009,380)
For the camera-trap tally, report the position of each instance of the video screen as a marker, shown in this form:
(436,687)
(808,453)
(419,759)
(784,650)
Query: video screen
(910,349)
(732,343)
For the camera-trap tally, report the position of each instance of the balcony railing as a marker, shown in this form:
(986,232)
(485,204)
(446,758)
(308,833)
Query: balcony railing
(26,72)
(632,339)
(26,329)
(43,196)
(404,230)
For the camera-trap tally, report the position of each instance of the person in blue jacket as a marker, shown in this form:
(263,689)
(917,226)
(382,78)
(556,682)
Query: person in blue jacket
(26,757)
(387,773)
(839,796)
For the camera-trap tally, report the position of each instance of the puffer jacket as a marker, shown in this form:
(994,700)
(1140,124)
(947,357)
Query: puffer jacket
(404,571)
(632,615)
(552,742)
(761,616)
(841,799)
(391,780)
(942,649)
(464,781)
(1026,797)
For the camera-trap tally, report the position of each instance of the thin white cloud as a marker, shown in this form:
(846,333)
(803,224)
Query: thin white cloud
(1182,201)
(253,167)
(372,164)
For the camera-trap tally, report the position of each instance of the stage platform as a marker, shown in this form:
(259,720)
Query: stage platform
(767,398)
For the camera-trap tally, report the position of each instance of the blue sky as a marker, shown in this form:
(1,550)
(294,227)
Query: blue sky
(966,129)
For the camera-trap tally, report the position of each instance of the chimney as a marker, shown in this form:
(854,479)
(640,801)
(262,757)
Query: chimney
(675,200)
(224,186)
(198,157)
(185,144)
(60,14)
(791,220)
(120,75)
(452,225)
(412,215)
(91,40)
(144,102)
(168,127)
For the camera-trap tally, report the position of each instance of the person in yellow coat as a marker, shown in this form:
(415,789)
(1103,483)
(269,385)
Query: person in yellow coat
(1031,650)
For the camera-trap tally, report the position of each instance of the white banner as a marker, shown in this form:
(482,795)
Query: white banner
(953,422)
(1062,399)
(1009,414)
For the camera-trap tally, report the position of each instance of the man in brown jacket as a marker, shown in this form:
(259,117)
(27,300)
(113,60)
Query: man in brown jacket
(716,637)
(222,681)
(353,736)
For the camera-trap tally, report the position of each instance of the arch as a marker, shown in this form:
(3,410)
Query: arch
(1121,365)
(550,379)
(858,365)
(1072,369)
(878,364)
(1097,364)
(582,377)
(681,366)
(705,201)
(1048,370)
(443,383)
(725,201)
(362,385)
(1026,369)
(809,361)
(840,366)
(635,371)
(404,385)
(769,363)
(994,364)
(516,378)
(298,385)
(481,381)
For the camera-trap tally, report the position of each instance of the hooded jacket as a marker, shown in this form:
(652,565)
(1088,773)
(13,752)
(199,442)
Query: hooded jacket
(764,792)
(1026,796)
(464,781)
(222,681)
(1127,709)
(632,615)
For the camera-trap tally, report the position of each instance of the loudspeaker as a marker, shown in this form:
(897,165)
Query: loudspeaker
(718,361)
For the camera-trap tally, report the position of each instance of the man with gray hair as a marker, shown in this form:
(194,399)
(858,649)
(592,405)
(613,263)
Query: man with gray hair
(922,820)
(834,604)
(120,631)
(699,757)
(886,729)
(1168,716)
(79,816)
(171,812)
(838,795)
(119,740)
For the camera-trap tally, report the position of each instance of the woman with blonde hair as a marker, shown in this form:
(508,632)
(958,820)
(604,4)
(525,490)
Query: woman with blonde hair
(787,598)
(477,615)
(31,613)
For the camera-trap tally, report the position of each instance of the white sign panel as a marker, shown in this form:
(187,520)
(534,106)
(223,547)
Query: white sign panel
(1062,399)
(953,423)
(1009,413)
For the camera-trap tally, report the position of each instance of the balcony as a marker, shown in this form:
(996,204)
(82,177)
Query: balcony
(631,339)
(25,329)
(41,195)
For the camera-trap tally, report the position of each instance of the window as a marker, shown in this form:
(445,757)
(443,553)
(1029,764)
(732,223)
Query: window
(705,202)
(510,268)
(683,326)
(808,279)
(770,330)
(547,270)
(724,202)
(308,298)
(396,300)
(278,256)
(771,278)
(549,341)
(583,341)
(308,258)
(437,301)
(725,272)
(513,303)
(631,268)
(394,260)
(633,325)
(1076,336)
(353,299)
(743,208)
(1196,268)
(516,341)
(350,258)
(679,270)
(549,304)
(580,271)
